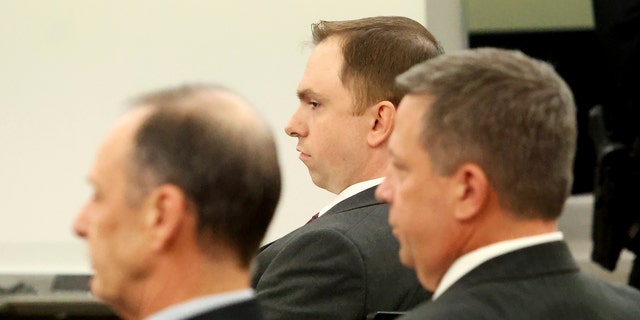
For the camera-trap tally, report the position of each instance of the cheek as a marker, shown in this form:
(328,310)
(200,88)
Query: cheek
(101,239)
(411,203)
(321,139)
(338,150)
(108,233)
(346,132)
(416,212)
(120,251)
(104,235)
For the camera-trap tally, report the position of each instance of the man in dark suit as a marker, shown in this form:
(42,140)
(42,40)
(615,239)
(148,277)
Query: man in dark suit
(180,206)
(481,161)
(342,265)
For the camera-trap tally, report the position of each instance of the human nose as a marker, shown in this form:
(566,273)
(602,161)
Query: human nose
(383,191)
(81,222)
(296,126)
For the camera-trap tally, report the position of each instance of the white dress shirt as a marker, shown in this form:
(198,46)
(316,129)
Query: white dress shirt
(197,306)
(471,260)
(351,191)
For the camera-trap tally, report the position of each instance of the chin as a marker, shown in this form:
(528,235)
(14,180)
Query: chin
(406,259)
(94,286)
(98,289)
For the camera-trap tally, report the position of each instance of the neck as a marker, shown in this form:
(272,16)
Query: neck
(373,168)
(176,281)
(507,226)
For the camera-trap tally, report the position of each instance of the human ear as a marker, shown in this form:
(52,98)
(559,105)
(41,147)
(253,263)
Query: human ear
(383,115)
(471,191)
(167,212)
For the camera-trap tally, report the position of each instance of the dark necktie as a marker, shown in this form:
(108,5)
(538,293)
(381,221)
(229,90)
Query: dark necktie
(315,216)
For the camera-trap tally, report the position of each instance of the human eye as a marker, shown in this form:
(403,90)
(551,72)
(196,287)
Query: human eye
(314,104)
(96,195)
(396,164)
(399,168)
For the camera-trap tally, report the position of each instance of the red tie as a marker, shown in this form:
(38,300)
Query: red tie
(315,216)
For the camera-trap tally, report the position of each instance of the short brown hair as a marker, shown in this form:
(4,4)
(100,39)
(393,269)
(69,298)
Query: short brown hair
(375,51)
(225,164)
(510,114)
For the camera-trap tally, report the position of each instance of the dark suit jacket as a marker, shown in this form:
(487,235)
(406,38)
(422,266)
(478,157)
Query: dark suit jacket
(538,282)
(245,310)
(343,265)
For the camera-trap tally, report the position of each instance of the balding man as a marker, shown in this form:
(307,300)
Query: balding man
(181,203)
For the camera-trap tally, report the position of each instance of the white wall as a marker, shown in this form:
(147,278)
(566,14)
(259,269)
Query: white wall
(68,67)
(447,21)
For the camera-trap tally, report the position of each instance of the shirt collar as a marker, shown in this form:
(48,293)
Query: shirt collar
(197,306)
(351,191)
(471,260)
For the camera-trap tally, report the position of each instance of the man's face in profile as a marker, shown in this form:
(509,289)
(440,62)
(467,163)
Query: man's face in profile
(331,139)
(420,198)
(112,226)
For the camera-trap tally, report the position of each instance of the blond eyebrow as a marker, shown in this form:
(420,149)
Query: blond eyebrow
(394,156)
(308,94)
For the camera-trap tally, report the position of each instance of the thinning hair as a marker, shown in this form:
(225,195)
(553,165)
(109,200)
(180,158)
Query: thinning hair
(375,51)
(508,113)
(211,144)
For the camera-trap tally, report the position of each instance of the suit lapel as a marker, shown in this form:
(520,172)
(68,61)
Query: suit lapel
(362,199)
(359,200)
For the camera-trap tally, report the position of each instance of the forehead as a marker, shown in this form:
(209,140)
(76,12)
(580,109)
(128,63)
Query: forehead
(324,65)
(118,142)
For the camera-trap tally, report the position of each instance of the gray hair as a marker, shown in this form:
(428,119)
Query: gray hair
(508,113)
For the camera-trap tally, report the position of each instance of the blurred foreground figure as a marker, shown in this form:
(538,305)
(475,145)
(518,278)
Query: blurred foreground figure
(185,185)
